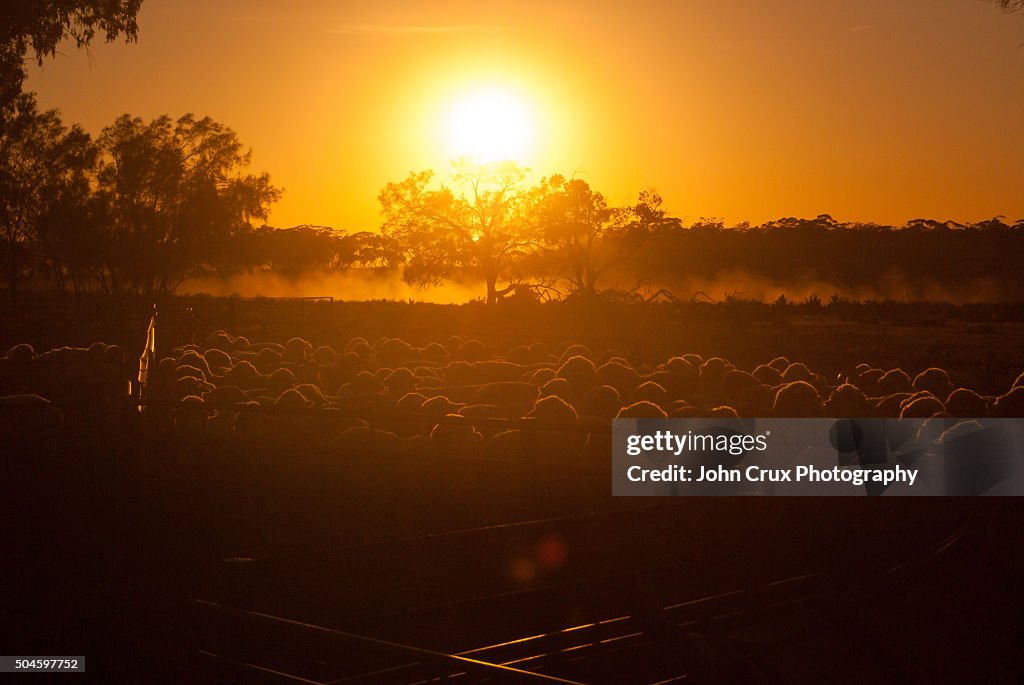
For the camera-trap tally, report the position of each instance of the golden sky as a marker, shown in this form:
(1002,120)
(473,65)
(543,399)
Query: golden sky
(882,110)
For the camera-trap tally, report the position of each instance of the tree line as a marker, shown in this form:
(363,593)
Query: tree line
(147,205)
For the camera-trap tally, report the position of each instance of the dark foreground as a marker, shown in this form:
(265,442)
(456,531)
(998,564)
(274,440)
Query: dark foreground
(163,565)
(171,546)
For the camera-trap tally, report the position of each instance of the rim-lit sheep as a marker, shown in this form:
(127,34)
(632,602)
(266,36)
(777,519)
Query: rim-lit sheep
(934,380)
(797,400)
(966,404)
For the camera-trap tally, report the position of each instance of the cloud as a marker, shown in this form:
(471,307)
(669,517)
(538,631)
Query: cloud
(399,30)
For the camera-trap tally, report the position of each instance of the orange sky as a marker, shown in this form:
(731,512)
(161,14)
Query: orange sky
(883,110)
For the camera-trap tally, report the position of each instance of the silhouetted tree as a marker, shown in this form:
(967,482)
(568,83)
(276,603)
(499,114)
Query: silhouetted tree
(583,237)
(42,164)
(1011,5)
(482,231)
(175,195)
(39,26)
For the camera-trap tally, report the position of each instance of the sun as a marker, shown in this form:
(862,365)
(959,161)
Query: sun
(489,124)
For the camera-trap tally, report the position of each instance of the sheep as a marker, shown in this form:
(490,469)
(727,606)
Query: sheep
(217,361)
(452,344)
(360,348)
(505,445)
(602,402)
(439,406)
(495,371)
(551,414)
(609,355)
(541,376)
(780,364)
(894,381)
(364,384)
(267,360)
(966,404)
(1010,405)
(295,350)
(890,405)
(712,371)
(520,354)
(682,366)
(958,430)
(364,441)
(641,410)
(291,399)
(723,412)
(190,416)
(399,382)
(736,381)
(324,355)
(98,351)
(435,352)
(575,351)
(185,371)
(22,353)
(190,386)
(848,401)
(312,394)
(618,374)
(553,410)
(934,380)
(921,407)
(767,374)
(470,351)
(754,400)
(410,403)
(459,373)
(225,396)
(396,351)
(280,380)
(193,358)
(540,353)
(580,373)
(557,387)
(797,371)
(223,401)
(649,391)
(682,410)
(798,399)
(243,374)
(250,423)
(506,394)
(868,380)
(455,437)
(486,411)
(220,340)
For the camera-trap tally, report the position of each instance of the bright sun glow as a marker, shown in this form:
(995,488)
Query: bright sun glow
(490,125)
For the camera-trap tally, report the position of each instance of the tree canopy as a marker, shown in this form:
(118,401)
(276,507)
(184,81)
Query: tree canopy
(175,192)
(36,28)
(477,229)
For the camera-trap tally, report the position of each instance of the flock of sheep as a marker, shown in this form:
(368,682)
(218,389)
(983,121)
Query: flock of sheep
(460,397)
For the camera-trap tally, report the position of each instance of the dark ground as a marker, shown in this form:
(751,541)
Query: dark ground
(110,539)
